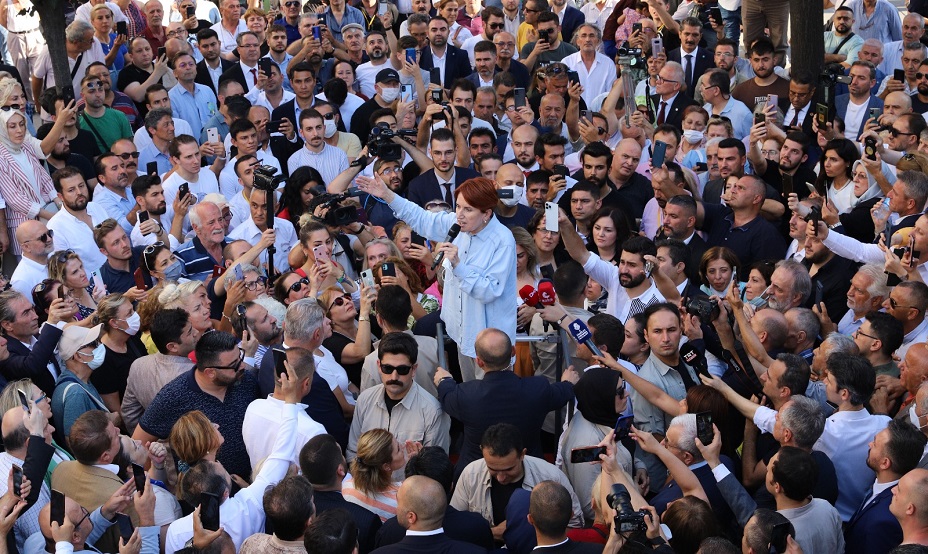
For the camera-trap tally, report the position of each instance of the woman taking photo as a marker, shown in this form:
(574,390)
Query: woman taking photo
(418,256)
(835,178)
(478,267)
(66,267)
(371,483)
(120,339)
(290,287)
(422,303)
(547,244)
(47,292)
(351,336)
(114,45)
(323,272)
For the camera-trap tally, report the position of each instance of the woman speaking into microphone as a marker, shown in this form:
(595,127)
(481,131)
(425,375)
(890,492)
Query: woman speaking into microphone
(479,265)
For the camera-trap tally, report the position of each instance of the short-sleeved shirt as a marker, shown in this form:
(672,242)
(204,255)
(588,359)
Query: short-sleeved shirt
(756,240)
(183,395)
(107,129)
(563,50)
(113,375)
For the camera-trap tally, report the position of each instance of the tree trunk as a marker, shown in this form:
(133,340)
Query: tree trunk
(52,25)
(806,41)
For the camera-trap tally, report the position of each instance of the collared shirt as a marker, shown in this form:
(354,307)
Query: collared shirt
(243,514)
(226,39)
(472,493)
(228,179)
(439,62)
(198,263)
(915,336)
(150,536)
(877,489)
(739,114)
(619,303)
(849,324)
(480,289)
(214,73)
(151,154)
(142,138)
(194,108)
(284,240)
(417,417)
(283,68)
(28,522)
(756,240)
(846,441)
(116,205)
(262,420)
(148,375)
(329,162)
(72,233)
(649,417)
(595,80)
(27,275)
(293,31)
(205,183)
(884,25)
(791,113)
(259,98)
(250,78)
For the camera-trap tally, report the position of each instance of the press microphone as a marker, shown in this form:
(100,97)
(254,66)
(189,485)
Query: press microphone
(692,356)
(452,234)
(529,295)
(581,333)
(546,294)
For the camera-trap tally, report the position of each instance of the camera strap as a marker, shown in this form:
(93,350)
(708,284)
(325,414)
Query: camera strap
(843,42)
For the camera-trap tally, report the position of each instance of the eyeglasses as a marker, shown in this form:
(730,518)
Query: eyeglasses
(339,301)
(253,285)
(295,287)
(388,369)
(724,55)
(63,256)
(896,132)
(44,237)
(86,515)
(41,398)
(235,366)
(127,155)
(858,332)
(663,80)
(391,171)
(177,32)
(94,85)
(152,247)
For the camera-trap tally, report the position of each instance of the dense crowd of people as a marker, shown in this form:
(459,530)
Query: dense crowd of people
(462,276)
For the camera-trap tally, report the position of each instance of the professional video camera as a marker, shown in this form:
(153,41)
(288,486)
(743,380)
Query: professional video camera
(380,143)
(337,215)
(633,55)
(265,179)
(834,74)
(627,520)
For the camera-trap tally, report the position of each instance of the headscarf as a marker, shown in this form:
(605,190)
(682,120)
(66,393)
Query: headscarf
(595,393)
(5,117)
(873,189)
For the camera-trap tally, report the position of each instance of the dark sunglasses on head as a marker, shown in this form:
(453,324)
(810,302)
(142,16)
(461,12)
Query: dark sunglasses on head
(43,286)
(388,369)
(555,69)
(63,256)
(295,287)
(127,155)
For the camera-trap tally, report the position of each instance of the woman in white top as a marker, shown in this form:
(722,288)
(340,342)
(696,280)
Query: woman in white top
(835,176)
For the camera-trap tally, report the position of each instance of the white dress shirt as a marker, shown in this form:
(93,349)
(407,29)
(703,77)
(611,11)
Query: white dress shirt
(260,425)
(27,275)
(595,80)
(206,183)
(285,240)
(72,233)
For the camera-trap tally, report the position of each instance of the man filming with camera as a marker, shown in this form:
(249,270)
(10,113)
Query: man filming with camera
(284,234)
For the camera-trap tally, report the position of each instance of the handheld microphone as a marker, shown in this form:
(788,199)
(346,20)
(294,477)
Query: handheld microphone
(692,356)
(581,333)
(452,234)
(546,293)
(529,295)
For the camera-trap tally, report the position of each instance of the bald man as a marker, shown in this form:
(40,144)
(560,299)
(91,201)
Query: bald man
(420,509)
(913,371)
(510,184)
(910,506)
(35,241)
(500,396)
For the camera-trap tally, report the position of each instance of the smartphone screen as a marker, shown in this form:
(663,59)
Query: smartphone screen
(138,473)
(209,511)
(623,426)
(586,455)
(704,427)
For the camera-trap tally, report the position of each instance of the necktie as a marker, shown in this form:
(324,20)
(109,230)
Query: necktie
(254,75)
(795,121)
(526,172)
(448,198)
(688,70)
(660,114)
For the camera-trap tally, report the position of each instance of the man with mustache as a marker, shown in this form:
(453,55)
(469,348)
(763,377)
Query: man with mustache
(399,403)
(205,249)
(73,225)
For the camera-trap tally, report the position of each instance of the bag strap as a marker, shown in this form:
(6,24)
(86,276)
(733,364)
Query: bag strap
(77,64)
(843,42)
(72,382)
(93,129)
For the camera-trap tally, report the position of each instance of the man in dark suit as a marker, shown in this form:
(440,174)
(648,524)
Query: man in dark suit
(440,182)
(863,78)
(324,466)
(245,72)
(500,397)
(571,20)
(213,65)
(303,81)
(549,512)
(695,60)
(433,462)
(671,99)
(27,352)
(456,61)
(420,507)
(895,451)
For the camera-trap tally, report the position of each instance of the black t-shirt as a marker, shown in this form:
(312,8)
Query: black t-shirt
(132,74)
(113,375)
(499,497)
(336,344)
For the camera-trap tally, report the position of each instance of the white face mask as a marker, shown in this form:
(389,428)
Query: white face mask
(913,417)
(133,322)
(517,192)
(389,94)
(99,354)
(330,127)
(693,137)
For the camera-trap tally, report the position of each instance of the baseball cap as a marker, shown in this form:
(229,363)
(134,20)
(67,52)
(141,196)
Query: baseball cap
(387,75)
(74,337)
(349,26)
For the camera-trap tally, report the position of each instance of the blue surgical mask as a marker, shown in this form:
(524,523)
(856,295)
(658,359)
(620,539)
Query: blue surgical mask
(174,271)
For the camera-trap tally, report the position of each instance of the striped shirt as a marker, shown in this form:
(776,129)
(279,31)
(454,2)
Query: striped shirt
(329,162)
(197,261)
(382,503)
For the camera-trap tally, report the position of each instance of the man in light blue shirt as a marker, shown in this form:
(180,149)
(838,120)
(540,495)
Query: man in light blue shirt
(877,19)
(190,101)
(111,196)
(160,125)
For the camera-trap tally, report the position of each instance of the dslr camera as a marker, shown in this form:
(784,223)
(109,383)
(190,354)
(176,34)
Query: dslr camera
(380,143)
(834,74)
(703,307)
(627,520)
(265,179)
(338,215)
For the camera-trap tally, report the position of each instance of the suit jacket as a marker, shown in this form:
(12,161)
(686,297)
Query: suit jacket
(573,18)
(236,74)
(841,103)
(431,544)
(457,64)
(425,187)
(873,530)
(203,74)
(33,363)
(705,60)
(675,116)
(698,247)
(460,526)
(571,547)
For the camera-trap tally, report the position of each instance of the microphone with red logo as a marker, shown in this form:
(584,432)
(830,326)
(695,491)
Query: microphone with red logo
(529,295)
(546,294)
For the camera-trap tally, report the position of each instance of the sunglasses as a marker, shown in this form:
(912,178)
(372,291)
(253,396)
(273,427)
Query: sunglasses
(894,305)
(555,69)
(388,369)
(63,256)
(496,25)
(44,237)
(339,301)
(921,76)
(896,132)
(235,366)
(94,85)
(127,155)
(291,4)
(11,107)
(43,286)
(329,116)
(295,287)
(152,247)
